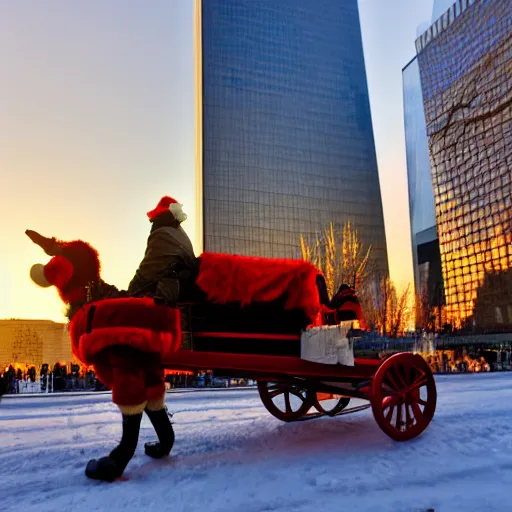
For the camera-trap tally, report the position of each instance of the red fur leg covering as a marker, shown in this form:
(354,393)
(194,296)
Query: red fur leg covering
(132,379)
(155,383)
(128,388)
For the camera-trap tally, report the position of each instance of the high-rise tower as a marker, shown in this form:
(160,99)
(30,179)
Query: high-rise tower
(286,138)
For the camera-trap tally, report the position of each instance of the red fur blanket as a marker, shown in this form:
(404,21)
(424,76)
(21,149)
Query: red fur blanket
(232,278)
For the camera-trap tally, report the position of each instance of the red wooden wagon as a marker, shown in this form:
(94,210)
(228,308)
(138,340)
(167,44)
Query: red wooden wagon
(244,317)
(246,321)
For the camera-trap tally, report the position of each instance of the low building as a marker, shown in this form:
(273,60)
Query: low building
(34,342)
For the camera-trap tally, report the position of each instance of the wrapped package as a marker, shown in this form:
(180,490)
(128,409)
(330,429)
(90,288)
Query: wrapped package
(328,344)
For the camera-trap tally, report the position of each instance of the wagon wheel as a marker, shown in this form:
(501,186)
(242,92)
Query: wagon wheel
(285,401)
(403,396)
(327,403)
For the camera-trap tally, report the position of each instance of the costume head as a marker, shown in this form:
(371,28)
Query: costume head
(168,204)
(73,266)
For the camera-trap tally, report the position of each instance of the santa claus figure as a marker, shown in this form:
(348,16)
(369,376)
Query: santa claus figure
(169,262)
(125,335)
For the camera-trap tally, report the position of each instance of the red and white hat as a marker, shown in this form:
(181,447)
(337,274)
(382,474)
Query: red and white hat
(57,272)
(168,204)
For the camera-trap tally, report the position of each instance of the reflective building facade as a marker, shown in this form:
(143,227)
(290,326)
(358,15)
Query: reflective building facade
(287,138)
(465,62)
(425,245)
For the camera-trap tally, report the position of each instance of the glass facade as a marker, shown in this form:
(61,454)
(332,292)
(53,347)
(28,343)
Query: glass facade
(287,135)
(465,64)
(421,195)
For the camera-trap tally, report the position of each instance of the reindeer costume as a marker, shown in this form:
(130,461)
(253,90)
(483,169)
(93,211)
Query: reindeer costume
(124,337)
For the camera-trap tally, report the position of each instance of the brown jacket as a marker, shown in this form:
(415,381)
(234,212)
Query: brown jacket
(168,249)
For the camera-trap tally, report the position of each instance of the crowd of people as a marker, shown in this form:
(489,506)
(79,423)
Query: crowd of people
(19,379)
(59,377)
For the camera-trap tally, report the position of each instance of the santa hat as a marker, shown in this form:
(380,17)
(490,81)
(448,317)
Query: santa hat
(168,204)
(57,272)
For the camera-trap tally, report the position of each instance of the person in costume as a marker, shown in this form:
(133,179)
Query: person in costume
(169,262)
(125,338)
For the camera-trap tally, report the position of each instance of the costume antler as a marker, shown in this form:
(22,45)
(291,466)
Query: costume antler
(49,245)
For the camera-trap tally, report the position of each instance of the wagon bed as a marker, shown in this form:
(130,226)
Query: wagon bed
(400,389)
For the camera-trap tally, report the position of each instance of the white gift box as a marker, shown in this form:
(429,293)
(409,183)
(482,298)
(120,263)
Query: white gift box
(328,344)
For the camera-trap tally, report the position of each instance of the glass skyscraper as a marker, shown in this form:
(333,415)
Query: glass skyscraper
(425,245)
(286,134)
(465,61)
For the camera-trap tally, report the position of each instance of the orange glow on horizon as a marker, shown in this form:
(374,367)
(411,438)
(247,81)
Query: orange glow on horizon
(90,149)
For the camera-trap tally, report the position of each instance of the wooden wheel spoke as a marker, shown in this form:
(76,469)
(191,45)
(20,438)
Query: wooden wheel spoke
(389,415)
(418,415)
(408,420)
(416,375)
(287,403)
(400,378)
(391,381)
(412,374)
(398,423)
(275,393)
(298,394)
(422,381)
(421,402)
(388,390)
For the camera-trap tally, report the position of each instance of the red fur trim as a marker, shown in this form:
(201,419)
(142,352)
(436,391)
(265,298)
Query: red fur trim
(155,392)
(74,296)
(136,312)
(128,388)
(139,323)
(58,271)
(232,278)
(144,340)
(130,383)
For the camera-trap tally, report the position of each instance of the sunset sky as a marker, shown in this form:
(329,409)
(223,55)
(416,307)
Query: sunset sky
(97,123)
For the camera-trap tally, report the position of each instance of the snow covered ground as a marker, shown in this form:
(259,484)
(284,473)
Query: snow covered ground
(231,455)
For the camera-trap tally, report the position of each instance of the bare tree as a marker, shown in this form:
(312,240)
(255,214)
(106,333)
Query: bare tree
(344,259)
(373,298)
(386,310)
(340,256)
(399,310)
(423,312)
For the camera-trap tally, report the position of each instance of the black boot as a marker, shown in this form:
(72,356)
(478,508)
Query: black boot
(163,428)
(111,467)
